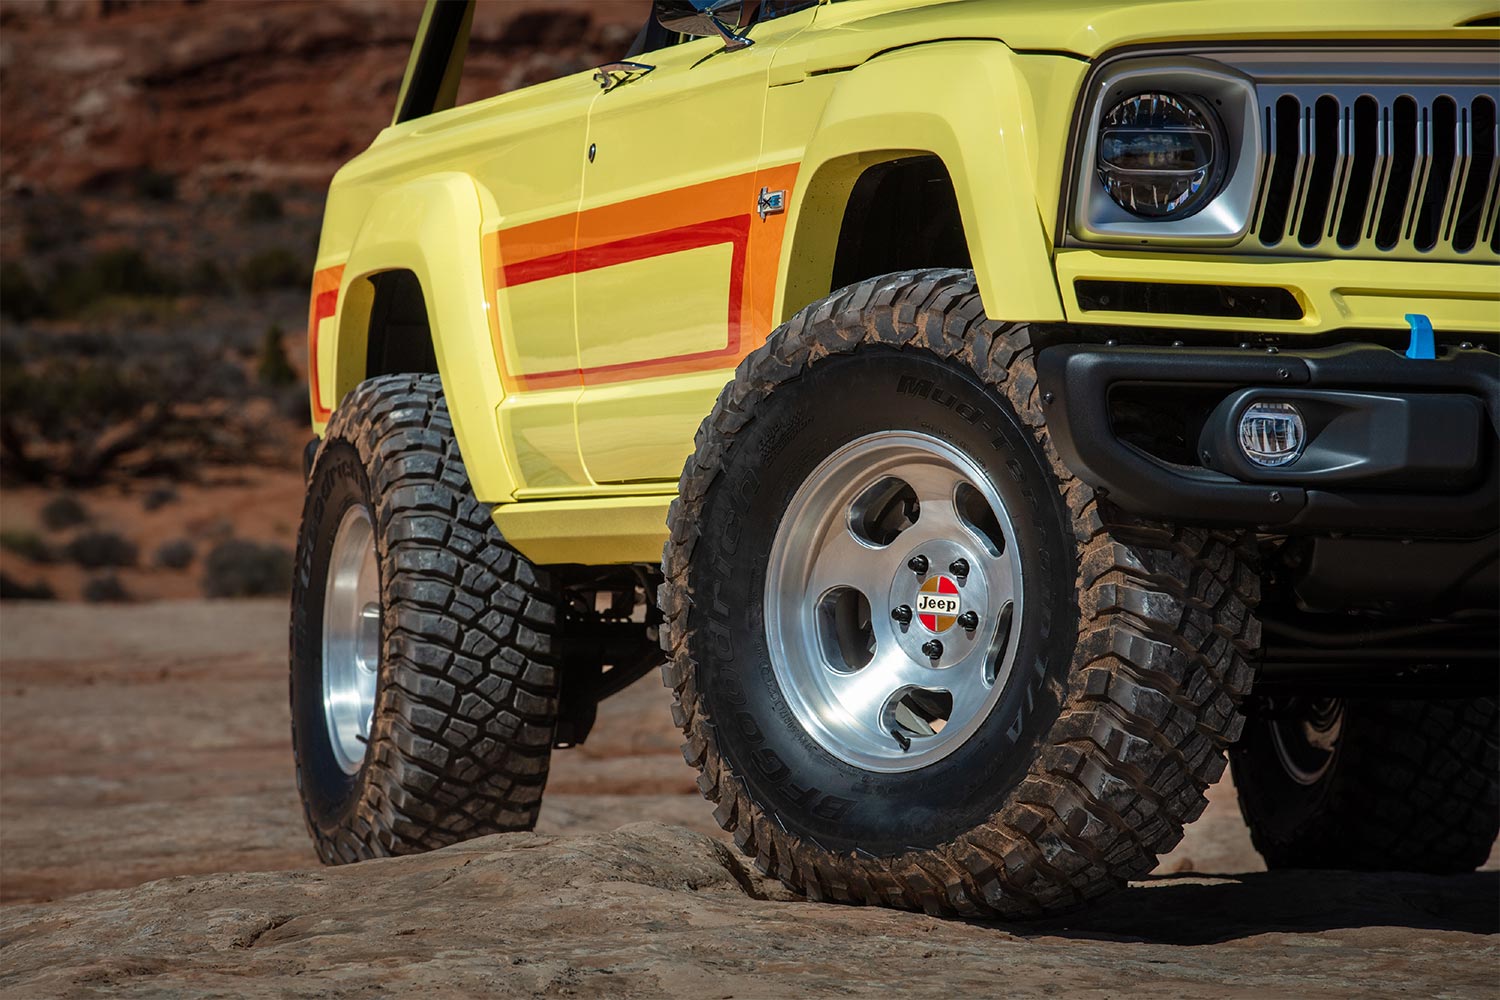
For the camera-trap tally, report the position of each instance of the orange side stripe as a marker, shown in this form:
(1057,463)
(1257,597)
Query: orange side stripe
(641,228)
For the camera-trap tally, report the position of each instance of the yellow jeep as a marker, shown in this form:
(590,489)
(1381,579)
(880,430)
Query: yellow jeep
(996,410)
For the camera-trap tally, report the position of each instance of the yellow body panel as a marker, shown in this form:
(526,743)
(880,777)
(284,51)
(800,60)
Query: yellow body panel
(544,309)
(616,326)
(643,431)
(592,531)
(586,310)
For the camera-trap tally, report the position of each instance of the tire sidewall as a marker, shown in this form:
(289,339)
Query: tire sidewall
(809,791)
(338,482)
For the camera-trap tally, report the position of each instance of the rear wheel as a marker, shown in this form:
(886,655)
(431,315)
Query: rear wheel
(423,676)
(914,660)
(1371,784)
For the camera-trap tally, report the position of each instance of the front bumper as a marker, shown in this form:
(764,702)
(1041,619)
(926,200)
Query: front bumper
(1422,460)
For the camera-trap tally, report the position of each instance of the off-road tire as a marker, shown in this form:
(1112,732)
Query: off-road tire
(1411,786)
(466,701)
(1151,627)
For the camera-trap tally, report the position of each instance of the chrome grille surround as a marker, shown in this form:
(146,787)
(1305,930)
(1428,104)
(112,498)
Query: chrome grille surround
(1364,152)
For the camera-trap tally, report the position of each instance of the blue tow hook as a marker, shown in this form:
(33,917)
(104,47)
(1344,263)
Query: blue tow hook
(1423,346)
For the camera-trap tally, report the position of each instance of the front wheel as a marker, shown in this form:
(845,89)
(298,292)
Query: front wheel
(914,660)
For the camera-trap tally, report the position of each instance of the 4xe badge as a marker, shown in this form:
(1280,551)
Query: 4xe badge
(938,604)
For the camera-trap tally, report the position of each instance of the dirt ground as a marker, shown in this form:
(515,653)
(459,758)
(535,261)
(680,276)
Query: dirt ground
(148,741)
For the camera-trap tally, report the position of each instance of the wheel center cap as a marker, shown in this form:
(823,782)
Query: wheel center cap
(938,603)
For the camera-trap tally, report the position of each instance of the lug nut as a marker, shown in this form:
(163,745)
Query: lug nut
(902,614)
(932,649)
(959,567)
(968,621)
(917,564)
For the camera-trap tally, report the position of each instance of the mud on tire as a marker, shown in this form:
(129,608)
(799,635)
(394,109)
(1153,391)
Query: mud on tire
(1134,638)
(466,702)
(1393,785)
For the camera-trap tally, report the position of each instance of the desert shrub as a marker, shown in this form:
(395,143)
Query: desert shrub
(20,298)
(75,403)
(121,272)
(240,568)
(271,365)
(105,588)
(260,206)
(158,498)
(64,511)
(12,589)
(272,269)
(176,554)
(206,278)
(49,221)
(98,549)
(157,185)
(26,544)
(80,408)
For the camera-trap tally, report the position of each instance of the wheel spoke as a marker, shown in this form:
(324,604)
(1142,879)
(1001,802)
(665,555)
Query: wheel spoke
(932,483)
(965,682)
(1000,576)
(862,696)
(844,561)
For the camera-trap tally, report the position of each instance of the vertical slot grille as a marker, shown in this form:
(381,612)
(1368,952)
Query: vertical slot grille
(1383,171)
(1286,152)
(1328,150)
(1434,202)
(1368,152)
(1476,184)
(1403,127)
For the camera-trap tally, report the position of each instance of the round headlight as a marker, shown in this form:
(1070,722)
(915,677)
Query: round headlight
(1161,155)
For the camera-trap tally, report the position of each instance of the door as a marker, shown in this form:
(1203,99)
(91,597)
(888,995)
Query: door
(671,252)
(529,173)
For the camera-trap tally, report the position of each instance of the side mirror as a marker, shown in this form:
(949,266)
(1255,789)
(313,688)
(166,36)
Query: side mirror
(707,18)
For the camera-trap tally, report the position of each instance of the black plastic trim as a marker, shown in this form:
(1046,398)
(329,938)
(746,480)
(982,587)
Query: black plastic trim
(1075,381)
(443,32)
(1187,299)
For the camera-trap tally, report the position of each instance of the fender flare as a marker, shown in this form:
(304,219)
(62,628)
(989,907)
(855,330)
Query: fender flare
(431,227)
(965,102)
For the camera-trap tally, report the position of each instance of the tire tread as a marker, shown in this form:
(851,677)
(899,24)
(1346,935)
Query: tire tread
(463,726)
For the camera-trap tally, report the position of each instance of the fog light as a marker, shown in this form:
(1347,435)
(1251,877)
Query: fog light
(1272,434)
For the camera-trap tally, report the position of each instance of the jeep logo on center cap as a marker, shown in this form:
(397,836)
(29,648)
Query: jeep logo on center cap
(938,603)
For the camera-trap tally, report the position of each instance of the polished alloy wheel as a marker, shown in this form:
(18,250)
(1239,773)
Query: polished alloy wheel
(892,596)
(351,638)
(1305,744)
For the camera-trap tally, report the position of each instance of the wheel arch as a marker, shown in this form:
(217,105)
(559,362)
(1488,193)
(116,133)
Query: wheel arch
(410,262)
(964,103)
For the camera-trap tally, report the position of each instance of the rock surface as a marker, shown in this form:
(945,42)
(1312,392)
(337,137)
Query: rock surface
(658,911)
(150,741)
